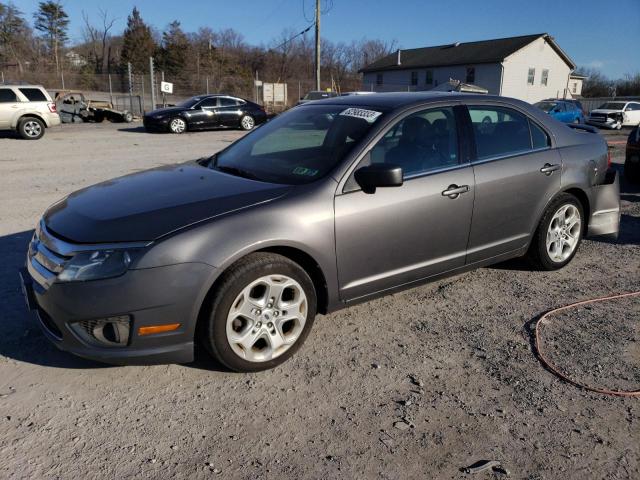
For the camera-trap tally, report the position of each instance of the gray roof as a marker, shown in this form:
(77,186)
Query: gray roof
(468,53)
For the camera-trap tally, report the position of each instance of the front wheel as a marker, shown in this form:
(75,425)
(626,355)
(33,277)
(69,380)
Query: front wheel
(247,122)
(558,235)
(260,314)
(177,125)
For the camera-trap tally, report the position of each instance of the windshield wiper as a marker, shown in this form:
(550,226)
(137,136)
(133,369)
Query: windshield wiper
(238,172)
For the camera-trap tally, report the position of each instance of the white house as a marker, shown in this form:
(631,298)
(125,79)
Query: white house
(530,67)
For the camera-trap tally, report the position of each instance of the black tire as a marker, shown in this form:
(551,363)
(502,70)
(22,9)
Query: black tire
(98,118)
(632,169)
(212,331)
(538,255)
(31,128)
(247,122)
(127,117)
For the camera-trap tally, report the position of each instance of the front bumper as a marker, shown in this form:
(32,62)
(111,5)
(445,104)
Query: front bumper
(605,216)
(156,124)
(154,296)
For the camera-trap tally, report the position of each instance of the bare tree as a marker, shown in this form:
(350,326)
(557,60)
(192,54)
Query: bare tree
(98,39)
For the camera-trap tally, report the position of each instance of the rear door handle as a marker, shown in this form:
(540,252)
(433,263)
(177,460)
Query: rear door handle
(453,191)
(548,169)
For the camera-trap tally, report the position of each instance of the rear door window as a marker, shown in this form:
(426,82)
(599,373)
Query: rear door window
(228,102)
(499,131)
(209,103)
(34,94)
(7,96)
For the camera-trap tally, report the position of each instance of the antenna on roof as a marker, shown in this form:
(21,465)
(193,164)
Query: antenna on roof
(398,62)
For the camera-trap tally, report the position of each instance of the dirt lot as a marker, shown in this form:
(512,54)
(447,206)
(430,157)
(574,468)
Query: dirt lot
(414,385)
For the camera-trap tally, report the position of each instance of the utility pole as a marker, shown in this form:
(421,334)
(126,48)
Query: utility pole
(317,44)
(153,90)
(130,75)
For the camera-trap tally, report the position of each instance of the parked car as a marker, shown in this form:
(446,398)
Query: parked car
(317,95)
(577,103)
(363,92)
(615,115)
(328,204)
(205,112)
(74,107)
(632,160)
(27,109)
(564,111)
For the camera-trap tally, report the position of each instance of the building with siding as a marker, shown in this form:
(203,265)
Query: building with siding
(530,67)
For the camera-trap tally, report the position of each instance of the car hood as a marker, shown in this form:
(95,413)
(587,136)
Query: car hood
(147,205)
(166,111)
(598,110)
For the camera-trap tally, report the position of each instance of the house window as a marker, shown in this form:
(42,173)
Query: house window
(471,74)
(429,78)
(531,78)
(574,87)
(545,77)
(414,78)
(379,79)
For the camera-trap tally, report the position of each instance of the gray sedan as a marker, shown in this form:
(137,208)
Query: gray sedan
(329,204)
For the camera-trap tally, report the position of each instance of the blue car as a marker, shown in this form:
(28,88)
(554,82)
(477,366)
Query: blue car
(562,110)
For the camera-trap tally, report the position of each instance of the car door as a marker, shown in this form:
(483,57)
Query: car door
(398,235)
(204,114)
(229,112)
(9,106)
(516,173)
(632,113)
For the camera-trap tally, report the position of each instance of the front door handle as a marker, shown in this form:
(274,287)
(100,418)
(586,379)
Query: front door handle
(454,191)
(548,169)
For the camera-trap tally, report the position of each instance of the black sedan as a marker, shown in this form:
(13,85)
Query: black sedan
(204,112)
(632,161)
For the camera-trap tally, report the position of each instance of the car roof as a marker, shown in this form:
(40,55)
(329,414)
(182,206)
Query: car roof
(394,100)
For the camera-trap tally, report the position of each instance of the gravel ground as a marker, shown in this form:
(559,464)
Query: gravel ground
(413,385)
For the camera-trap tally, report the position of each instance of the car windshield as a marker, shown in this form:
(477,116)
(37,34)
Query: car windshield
(612,106)
(299,146)
(189,102)
(546,106)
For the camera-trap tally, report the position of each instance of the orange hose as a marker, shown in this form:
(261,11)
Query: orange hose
(548,364)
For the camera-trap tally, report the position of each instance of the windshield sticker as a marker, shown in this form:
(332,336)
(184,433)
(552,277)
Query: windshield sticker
(369,115)
(309,172)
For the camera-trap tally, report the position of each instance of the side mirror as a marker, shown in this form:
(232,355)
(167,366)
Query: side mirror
(378,175)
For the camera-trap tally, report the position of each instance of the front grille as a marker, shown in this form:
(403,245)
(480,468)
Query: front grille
(43,262)
(49,324)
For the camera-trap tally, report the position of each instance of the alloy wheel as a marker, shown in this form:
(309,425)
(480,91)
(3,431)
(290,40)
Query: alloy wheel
(247,122)
(177,125)
(32,128)
(267,318)
(563,233)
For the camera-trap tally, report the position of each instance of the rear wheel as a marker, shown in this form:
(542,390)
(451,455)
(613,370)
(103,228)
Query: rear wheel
(177,125)
(261,313)
(127,117)
(558,235)
(31,128)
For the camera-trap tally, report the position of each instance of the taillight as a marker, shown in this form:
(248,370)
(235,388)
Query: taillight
(608,158)
(52,107)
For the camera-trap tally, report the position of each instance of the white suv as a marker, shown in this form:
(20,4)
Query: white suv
(27,109)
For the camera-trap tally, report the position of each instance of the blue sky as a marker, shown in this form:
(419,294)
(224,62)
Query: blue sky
(595,33)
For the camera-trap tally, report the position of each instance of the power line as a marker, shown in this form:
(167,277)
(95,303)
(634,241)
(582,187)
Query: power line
(294,37)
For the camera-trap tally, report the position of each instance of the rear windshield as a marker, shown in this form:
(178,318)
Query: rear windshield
(299,146)
(34,94)
(546,106)
(612,106)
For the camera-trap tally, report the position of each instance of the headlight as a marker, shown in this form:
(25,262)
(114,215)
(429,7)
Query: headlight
(96,265)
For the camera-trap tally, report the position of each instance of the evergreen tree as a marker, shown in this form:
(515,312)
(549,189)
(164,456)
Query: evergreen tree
(53,22)
(138,44)
(175,50)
